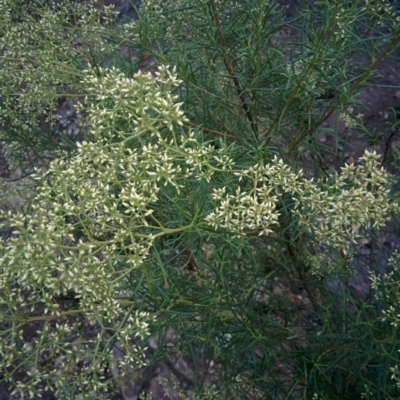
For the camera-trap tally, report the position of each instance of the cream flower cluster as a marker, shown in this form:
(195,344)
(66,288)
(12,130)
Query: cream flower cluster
(382,11)
(93,224)
(42,48)
(334,211)
(89,228)
(131,106)
(386,289)
(98,213)
(338,209)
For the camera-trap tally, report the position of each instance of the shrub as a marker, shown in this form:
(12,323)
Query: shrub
(198,200)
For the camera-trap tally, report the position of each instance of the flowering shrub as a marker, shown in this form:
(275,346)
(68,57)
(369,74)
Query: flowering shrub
(186,206)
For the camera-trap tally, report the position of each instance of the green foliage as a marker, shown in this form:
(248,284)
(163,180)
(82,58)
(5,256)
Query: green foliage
(198,201)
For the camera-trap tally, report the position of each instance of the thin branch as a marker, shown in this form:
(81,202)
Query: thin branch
(389,49)
(230,69)
(203,128)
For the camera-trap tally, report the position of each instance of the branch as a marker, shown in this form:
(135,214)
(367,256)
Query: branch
(230,69)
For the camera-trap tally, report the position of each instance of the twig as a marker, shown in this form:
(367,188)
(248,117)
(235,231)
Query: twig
(230,69)
(203,128)
(387,144)
(388,49)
